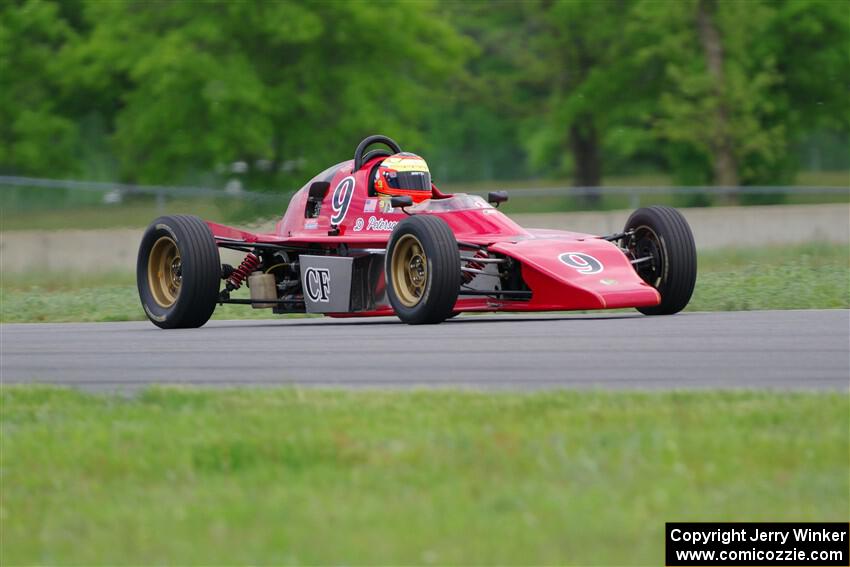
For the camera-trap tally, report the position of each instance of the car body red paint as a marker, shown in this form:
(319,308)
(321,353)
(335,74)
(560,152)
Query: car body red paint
(363,223)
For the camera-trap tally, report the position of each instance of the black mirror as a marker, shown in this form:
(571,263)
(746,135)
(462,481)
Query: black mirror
(401,201)
(496,197)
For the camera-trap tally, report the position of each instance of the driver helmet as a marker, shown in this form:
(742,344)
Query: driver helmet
(403,174)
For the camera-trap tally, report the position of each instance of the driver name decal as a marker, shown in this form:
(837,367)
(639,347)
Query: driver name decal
(380,224)
(341,199)
(581,262)
(375,223)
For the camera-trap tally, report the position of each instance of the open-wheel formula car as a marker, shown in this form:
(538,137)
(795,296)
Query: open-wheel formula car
(374,236)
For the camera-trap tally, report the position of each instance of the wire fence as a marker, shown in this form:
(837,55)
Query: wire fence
(184,191)
(161,192)
(112,193)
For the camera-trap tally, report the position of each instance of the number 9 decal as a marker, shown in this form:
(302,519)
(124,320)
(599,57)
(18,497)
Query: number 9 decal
(341,199)
(581,262)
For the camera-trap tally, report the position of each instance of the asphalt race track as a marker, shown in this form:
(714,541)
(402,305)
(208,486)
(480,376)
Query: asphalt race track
(760,349)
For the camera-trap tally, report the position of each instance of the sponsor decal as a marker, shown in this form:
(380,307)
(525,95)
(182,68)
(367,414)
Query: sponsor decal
(381,224)
(581,262)
(358,224)
(608,281)
(317,284)
(369,205)
(385,205)
(405,163)
(341,199)
(311,224)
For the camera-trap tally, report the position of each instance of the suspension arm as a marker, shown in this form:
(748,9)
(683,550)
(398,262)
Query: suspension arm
(617,236)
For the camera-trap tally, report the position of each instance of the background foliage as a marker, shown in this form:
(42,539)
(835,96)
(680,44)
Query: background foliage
(708,91)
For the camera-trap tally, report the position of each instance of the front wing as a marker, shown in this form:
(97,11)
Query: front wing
(587,273)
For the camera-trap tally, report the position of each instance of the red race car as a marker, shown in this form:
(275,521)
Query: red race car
(374,236)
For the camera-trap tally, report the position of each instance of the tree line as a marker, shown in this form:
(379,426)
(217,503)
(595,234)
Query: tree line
(710,91)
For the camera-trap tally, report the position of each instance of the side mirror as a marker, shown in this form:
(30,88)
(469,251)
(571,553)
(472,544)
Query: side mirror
(497,197)
(401,201)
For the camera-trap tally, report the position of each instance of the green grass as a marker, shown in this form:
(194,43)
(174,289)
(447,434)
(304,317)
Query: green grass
(321,477)
(812,276)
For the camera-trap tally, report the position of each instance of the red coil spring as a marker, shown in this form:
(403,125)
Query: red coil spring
(468,277)
(248,265)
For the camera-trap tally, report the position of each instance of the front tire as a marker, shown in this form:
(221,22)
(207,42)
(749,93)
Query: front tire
(423,270)
(663,234)
(178,272)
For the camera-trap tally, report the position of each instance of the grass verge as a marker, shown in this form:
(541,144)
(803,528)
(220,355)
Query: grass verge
(318,477)
(812,276)
(809,276)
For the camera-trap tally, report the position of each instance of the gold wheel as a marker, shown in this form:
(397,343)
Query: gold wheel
(409,269)
(165,271)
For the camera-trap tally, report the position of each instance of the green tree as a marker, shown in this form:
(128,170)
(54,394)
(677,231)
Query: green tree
(36,134)
(547,74)
(811,40)
(174,92)
(574,64)
(568,81)
(715,92)
(709,102)
(286,87)
(474,127)
(736,87)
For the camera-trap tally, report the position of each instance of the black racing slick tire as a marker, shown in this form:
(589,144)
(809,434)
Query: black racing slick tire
(423,270)
(663,234)
(178,272)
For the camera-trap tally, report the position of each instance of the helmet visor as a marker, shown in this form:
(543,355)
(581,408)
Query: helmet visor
(409,180)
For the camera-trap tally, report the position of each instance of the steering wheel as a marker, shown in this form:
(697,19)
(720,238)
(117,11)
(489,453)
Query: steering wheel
(360,158)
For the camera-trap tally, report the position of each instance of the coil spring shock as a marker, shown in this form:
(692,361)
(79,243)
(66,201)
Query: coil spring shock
(248,265)
(467,276)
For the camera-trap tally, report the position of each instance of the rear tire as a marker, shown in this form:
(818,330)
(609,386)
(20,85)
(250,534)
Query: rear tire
(664,234)
(178,272)
(423,270)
